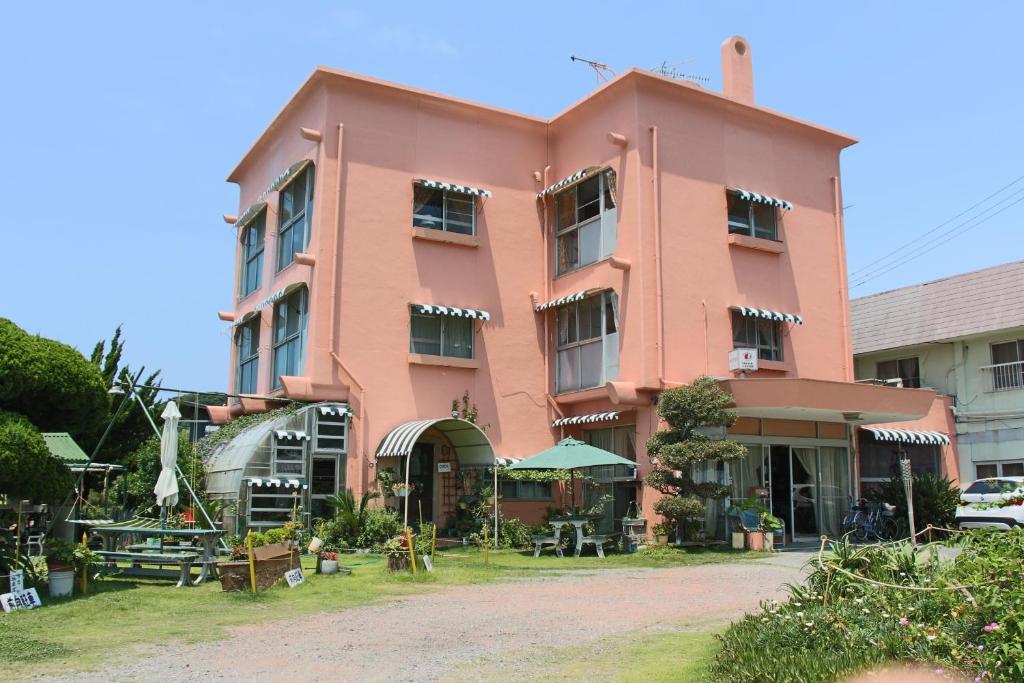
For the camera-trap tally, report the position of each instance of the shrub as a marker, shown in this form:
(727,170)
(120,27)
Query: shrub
(935,500)
(514,533)
(837,624)
(378,526)
(27,470)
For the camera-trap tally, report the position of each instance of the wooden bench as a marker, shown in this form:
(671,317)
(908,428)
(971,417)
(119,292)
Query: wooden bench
(541,541)
(183,560)
(597,540)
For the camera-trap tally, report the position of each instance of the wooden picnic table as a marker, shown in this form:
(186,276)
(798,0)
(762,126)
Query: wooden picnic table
(204,555)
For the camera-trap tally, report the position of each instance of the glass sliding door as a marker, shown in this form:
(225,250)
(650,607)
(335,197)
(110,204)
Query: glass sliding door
(834,491)
(803,467)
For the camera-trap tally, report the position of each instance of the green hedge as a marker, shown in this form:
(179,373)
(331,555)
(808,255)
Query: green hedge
(27,470)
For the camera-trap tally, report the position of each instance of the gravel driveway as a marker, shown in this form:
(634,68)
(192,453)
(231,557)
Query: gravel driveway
(432,635)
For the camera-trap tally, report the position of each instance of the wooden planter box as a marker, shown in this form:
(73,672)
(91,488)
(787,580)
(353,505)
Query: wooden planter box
(272,561)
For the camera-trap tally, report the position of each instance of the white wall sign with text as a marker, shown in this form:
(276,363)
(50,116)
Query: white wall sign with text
(21,600)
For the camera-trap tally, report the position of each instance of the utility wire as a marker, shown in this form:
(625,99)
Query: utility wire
(925,234)
(869,272)
(937,244)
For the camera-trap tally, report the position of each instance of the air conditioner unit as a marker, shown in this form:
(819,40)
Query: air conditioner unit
(743,360)
(893,382)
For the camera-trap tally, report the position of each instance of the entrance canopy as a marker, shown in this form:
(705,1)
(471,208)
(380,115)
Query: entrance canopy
(472,447)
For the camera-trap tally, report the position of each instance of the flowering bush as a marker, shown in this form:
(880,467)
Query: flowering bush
(868,606)
(239,552)
(329,555)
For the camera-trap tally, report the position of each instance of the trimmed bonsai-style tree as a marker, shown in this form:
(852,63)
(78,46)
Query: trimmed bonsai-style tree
(679,451)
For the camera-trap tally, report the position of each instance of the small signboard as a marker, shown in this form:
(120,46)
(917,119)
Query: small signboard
(428,564)
(742,360)
(21,600)
(294,577)
(153,542)
(17,580)
(444,467)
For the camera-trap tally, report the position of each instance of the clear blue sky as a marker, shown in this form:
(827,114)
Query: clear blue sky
(121,121)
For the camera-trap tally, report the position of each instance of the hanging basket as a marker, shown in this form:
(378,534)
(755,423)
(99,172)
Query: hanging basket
(402,491)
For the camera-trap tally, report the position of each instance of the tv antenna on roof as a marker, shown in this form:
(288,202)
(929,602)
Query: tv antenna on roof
(672,71)
(604,74)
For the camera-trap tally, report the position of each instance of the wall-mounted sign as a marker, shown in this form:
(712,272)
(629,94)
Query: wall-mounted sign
(21,600)
(742,360)
(443,467)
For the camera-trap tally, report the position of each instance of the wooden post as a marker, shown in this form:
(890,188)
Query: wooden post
(252,562)
(433,541)
(412,552)
(85,569)
(486,545)
(17,537)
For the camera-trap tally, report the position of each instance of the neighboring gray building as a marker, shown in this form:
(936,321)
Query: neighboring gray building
(964,337)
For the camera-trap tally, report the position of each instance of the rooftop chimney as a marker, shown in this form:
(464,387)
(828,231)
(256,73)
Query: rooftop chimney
(737,70)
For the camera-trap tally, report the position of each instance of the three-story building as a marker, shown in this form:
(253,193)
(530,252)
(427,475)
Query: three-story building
(400,248)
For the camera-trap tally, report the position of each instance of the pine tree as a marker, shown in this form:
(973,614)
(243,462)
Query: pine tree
(677,452)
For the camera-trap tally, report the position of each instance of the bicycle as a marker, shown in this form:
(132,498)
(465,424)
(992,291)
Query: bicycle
(866,521)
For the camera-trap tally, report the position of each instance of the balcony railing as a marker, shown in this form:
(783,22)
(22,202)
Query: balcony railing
(1006,376)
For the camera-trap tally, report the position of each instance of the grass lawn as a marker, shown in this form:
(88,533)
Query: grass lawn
(88,631)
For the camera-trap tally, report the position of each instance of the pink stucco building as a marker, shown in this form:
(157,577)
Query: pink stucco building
(399,248)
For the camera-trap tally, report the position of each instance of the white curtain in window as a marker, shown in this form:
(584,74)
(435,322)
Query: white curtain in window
(834,495)
(747,473)
(592,364)
(458,337)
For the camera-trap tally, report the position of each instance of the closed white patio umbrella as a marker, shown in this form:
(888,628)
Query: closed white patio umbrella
(166,488)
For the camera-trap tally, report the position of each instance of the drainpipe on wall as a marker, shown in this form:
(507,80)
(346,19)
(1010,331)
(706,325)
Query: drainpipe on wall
(844,294)
(659,286)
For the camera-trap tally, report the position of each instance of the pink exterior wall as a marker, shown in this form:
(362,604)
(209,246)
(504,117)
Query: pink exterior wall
(368,267)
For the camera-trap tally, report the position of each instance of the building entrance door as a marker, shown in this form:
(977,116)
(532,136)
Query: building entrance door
(803,464)
(421,476)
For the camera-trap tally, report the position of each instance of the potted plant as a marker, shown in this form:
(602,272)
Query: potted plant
(402,489)
(769,525)
(328,562)
(60,567)
(661,532)
(397,551)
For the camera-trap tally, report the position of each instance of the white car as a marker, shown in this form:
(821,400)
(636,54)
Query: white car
(995,503)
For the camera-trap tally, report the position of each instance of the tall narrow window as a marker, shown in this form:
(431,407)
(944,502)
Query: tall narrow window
(289,457)
(587,330)
(585,222)
(750,332)
(247,340)
(290,335)
(447,210)
(252,254)
(294,217)
(331,432)
(748,217)
(441,335)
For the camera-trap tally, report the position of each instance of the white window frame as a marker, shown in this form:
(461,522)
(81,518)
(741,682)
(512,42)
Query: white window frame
(1007,376)
(998,464)
(445,222)
(244,362)
(252,255)
(767,348)
(332,420)
(607,298)
(293,446)
(445,320)
(914,383)
(751,228)
(301,220)
(298,337)
(604,250)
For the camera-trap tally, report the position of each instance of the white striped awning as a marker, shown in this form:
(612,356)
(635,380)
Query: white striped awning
(290,435)
(585,419)
(565,182)
(272,481)
(278,295)
(465,189)
(249,214)
(762,198)
(436,309)
(505,462)
(576,296)
(909,436)
(471,445)
(245,317)
(339,410)
(769,315)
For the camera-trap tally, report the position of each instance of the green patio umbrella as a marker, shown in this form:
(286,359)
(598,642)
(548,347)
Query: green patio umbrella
(570,454)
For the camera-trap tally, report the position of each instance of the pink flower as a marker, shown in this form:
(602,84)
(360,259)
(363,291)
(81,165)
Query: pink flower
(906,622)
(991,627)
(940,671)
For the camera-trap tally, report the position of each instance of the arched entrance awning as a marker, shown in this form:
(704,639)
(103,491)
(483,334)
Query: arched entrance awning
(471,445)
